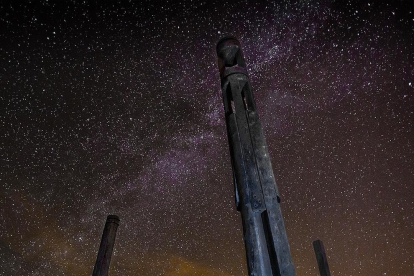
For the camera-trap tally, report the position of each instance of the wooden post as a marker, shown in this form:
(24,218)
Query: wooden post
(321,258)
(257,196)
(107,245)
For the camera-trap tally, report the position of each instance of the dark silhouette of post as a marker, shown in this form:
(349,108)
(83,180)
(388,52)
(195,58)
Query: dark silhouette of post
(257,196)
(107,245)
(321,258)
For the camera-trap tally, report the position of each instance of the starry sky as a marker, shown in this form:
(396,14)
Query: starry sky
(114,107)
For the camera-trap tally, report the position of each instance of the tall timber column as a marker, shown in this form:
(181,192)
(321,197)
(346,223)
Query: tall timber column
(107,245)
(257,196)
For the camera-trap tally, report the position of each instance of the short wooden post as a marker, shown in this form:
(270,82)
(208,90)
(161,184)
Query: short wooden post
(321,258)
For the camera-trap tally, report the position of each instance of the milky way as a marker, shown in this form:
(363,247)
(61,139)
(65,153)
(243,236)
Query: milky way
(116,108)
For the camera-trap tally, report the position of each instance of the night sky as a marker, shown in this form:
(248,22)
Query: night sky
(110,107)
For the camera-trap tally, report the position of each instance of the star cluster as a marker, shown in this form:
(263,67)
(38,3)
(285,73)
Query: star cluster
(114,107)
